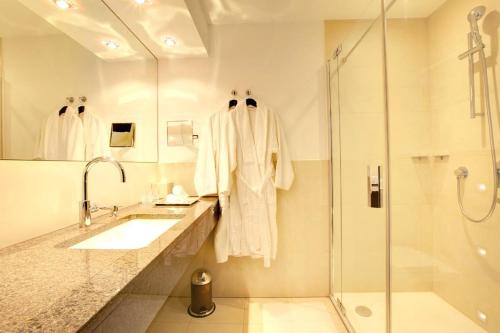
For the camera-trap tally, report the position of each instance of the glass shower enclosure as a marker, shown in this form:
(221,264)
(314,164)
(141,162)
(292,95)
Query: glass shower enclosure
(414,104)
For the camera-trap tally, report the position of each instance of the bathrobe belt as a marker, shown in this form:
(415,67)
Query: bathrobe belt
(257,189)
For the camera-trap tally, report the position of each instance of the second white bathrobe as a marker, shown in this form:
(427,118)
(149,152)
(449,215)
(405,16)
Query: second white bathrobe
(263,165)
(215,165)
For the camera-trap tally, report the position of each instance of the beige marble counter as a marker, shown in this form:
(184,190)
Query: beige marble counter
(47,287)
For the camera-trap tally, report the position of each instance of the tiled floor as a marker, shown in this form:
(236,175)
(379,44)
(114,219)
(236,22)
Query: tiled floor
(254,315)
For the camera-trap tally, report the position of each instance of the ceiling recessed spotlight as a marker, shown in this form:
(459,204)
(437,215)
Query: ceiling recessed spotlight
(169,41)
(140,2)
(482,316)
(110,44)
(63,4)
(482,251)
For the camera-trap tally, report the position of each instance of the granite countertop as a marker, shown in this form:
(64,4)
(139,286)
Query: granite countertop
(45,286)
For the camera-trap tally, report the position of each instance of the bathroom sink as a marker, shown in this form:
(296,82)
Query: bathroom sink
(136,233)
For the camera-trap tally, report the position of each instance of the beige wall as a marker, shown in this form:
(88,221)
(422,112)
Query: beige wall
(40,197)
(289,79)
(410,117)
(466,280)
(433,246)
(357,105)
(361,131)
(283,65)
(302,265)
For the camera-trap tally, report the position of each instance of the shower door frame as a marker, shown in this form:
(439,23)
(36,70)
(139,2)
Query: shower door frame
(1,99)
(388,258)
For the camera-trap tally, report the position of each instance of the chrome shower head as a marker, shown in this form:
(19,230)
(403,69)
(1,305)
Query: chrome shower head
(476,14)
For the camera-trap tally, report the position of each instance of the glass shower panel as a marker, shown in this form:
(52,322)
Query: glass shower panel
(445,268)
(359,172)
(335,175)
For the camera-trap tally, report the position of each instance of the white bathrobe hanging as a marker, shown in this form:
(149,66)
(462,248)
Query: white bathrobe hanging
(216,155)
(59,137)
(263,165)
(215,165)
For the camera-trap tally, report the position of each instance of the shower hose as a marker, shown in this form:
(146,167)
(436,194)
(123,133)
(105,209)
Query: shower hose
(462,172)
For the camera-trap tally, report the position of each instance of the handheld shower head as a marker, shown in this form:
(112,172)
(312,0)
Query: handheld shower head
(476,14)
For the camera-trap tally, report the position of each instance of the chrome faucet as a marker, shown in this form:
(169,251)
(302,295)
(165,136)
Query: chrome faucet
(85,207)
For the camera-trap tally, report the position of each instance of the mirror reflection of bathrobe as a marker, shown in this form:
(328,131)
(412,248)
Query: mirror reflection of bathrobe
(59,137)
(72,137)
(263,165)
(94,141)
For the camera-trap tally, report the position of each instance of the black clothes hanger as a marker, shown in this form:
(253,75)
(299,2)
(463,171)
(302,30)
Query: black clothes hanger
(63,110)
(69,101)
(81,108)
(233,102)
(250,101)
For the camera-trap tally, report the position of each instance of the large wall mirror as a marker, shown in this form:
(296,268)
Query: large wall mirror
(69,71)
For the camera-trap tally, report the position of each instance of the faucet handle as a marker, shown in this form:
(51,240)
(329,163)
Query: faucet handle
(113,209)
(94,208)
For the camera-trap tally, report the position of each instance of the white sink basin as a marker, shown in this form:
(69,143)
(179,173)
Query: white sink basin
(134,234)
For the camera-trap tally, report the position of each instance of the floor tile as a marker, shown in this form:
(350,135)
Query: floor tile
(268,310)
(228,311)
(214,328)
(174,310)
(309,311)
(269,328)
(318,327)
(167,327)
(254,315)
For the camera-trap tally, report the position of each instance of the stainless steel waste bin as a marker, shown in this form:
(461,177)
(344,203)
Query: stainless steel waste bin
(202,304)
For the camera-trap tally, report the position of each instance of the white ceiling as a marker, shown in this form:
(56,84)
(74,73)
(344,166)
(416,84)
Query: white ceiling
(155,19)
(20,21)
(259,11)
(90,23)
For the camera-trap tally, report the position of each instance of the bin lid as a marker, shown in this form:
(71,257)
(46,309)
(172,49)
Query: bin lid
(201,277)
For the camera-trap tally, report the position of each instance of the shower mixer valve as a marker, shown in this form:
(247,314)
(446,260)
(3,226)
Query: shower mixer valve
(461,172)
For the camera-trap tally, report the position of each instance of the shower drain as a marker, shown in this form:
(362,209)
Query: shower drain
(363,311)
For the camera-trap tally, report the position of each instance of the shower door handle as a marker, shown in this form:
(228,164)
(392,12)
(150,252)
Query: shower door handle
(375,186)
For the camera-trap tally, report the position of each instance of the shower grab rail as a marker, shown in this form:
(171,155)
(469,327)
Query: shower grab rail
(462,172)
(470,55)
